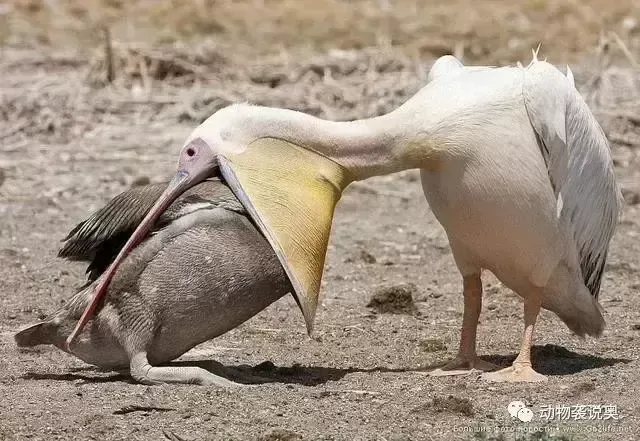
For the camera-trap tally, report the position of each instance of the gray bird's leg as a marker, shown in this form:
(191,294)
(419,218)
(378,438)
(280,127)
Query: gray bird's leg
(134,329)
(143,372)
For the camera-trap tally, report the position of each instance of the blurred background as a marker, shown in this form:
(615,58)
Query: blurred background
(491,31)
(339,59)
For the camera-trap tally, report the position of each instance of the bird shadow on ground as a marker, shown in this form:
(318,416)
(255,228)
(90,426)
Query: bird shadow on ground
(263,373)
(83,378)
(556,360)
(268,372)
(548,360)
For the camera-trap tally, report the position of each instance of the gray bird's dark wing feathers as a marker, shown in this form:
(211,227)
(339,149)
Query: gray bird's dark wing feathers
(120,215)
(99,238)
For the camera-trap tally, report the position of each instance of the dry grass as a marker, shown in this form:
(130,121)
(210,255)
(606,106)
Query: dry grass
(494,31)
(70,100)
(88,64)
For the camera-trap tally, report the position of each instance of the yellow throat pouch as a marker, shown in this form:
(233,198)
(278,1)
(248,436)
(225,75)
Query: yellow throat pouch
(291,194)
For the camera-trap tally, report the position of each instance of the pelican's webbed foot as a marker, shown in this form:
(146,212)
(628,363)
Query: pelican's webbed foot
(518,372)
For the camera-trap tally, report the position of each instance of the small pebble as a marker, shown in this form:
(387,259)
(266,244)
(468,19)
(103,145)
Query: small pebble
(367,257)
(432,345)
(395,299)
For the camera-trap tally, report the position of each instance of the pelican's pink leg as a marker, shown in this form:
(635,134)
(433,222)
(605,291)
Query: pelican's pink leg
(521,369)
(467,358)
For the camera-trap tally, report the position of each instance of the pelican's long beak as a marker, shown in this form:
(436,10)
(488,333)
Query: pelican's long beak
(291,193)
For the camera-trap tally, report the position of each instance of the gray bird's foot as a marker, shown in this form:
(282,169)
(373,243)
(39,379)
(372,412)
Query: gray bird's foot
(209,379)
(143,372)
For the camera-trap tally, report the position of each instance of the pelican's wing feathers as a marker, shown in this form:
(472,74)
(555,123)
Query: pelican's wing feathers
(579,163)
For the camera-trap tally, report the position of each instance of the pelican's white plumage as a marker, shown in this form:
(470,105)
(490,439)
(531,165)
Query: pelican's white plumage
(580,170)
(537,204)
(577,159)
(513,164)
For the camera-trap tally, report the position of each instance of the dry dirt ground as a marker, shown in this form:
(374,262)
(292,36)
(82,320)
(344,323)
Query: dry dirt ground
(70,139)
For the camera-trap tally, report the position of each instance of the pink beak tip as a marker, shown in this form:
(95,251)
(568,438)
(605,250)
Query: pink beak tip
(68,342)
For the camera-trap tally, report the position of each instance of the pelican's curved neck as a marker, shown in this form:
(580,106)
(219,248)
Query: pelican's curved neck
(367,147)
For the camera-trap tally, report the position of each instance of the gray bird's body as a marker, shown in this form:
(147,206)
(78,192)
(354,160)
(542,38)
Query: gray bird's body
(205,270)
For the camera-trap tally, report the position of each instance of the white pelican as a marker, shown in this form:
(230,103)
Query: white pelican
(514,166)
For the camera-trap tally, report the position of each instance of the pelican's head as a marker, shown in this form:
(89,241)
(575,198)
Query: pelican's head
(200,155)
(197,162)
(289,191)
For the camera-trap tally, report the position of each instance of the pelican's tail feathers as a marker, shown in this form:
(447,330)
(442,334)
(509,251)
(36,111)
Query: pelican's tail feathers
(567,296)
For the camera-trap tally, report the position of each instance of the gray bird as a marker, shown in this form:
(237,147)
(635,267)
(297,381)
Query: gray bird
(205,270)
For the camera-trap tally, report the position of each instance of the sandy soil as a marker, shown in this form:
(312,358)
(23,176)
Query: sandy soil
(68,143)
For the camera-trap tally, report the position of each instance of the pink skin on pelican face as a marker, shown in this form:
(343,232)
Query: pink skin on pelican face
(197,163)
